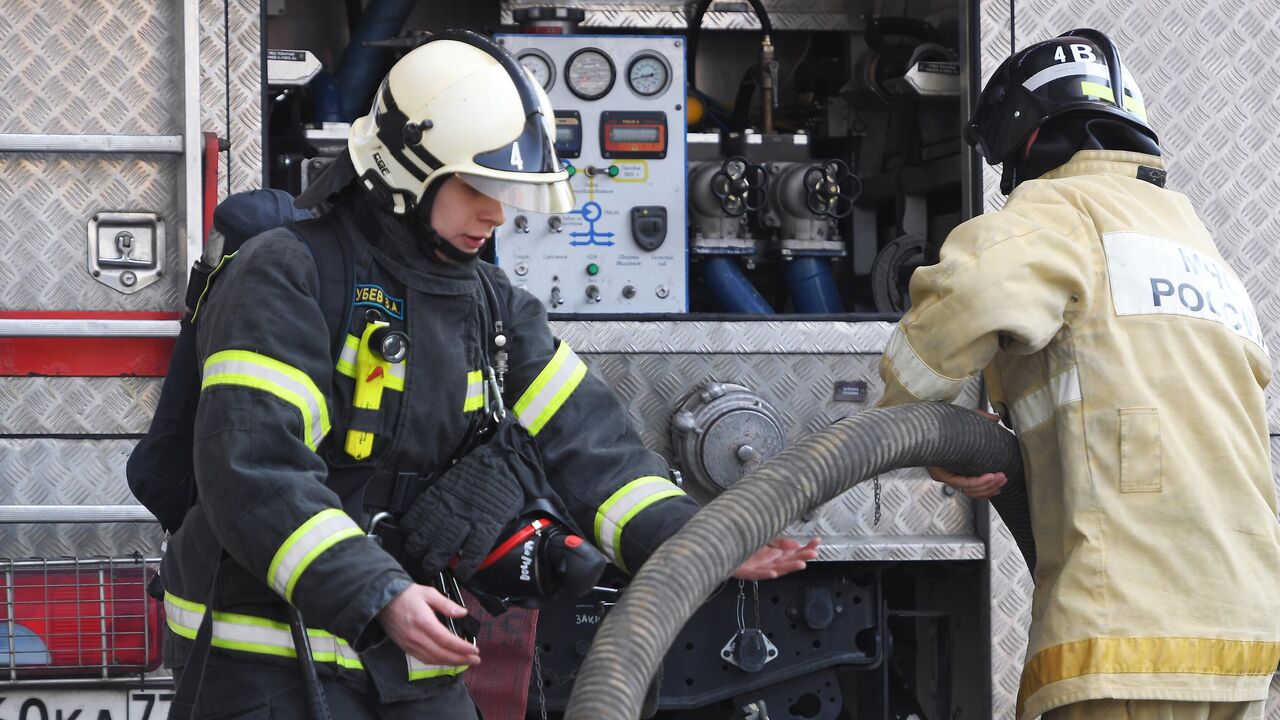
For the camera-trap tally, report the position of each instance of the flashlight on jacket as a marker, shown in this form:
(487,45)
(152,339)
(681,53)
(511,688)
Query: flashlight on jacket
(379,348)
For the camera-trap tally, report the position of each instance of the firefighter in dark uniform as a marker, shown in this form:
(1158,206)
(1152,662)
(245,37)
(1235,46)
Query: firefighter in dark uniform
(456,129)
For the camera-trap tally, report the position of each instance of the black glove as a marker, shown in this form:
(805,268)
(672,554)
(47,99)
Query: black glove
(462,514)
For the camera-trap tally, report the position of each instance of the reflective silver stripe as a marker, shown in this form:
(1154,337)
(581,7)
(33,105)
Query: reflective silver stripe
(550,389)
(250,369)
(1039,407)
(918,378)
(247,633)
(475,391)
(319,533)
(622,506)
(419,670)
(347,358)
(1061,70)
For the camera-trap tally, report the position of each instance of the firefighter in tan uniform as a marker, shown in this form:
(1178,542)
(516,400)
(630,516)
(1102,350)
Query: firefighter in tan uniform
(1126,354)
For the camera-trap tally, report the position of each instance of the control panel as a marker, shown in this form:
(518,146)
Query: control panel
(620,130)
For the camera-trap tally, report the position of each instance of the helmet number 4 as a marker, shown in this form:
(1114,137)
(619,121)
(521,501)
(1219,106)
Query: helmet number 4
(517,161)
(1080,53)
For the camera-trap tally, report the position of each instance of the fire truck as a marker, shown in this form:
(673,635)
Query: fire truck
(755,183)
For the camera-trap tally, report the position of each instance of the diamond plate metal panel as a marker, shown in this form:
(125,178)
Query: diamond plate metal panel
(77,406)
(46,201)
(213,79)
(918,520)
(244,92)
(84,68)
(1212,86)
(783,14)
(70,472)
(731,338)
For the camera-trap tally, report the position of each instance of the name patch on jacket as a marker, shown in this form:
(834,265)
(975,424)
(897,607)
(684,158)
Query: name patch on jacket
(375,296)
(1154,276)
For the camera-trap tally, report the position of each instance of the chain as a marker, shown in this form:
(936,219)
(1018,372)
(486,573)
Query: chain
(537,671)
(876,486)
(742,606)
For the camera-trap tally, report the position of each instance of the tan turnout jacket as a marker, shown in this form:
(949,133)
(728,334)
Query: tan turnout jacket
(1127,356)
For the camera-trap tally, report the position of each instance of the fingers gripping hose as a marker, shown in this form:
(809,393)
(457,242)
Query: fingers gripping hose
(684,570)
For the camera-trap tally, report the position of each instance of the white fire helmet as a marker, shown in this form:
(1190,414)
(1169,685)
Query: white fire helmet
(460,104)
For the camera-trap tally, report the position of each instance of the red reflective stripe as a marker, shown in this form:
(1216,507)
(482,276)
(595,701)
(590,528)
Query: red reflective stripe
(521,535)
(85,356)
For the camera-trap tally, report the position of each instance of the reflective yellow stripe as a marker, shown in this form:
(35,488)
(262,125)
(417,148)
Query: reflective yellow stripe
(347,365)
(421,671)
(1132,104)
(626,503)
(1093,89)
(319,533)
(550,389)
(1113,656)
(1135,106)
(475,391)
(250,369)
(246,633)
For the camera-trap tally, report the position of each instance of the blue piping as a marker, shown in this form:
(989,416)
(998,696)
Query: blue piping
(731,288)
(362,67)
(813,289)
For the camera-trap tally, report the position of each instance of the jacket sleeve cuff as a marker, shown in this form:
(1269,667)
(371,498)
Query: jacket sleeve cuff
(358,622)
(652,527)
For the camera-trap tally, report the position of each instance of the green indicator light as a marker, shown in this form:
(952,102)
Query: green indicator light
(593,269)
(570,169)
(613,171)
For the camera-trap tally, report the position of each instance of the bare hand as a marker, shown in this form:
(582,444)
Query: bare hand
(978,487)
(410,620)
(779,557)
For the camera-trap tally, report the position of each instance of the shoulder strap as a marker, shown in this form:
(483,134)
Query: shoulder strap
(335,266)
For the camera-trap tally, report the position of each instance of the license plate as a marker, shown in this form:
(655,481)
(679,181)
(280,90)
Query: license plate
(84,704)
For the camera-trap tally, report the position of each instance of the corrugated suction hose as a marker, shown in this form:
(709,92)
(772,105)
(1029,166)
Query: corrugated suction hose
(688,567)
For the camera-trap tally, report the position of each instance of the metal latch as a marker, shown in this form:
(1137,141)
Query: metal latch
(126,250)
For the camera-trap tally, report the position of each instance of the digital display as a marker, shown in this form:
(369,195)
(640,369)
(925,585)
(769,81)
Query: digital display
(568,133)
(634,134)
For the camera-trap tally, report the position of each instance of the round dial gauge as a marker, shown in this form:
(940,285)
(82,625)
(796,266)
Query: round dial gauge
(539,65)
(648,75)
(589,73)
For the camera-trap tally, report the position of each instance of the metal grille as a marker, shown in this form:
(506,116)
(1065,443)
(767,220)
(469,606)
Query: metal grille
(77,618)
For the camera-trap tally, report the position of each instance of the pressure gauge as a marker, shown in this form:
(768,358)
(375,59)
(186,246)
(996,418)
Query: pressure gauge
(648,75)
(589,74)
(539,65)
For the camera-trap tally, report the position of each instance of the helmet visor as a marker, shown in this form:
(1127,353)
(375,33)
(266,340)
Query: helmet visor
(540,197)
